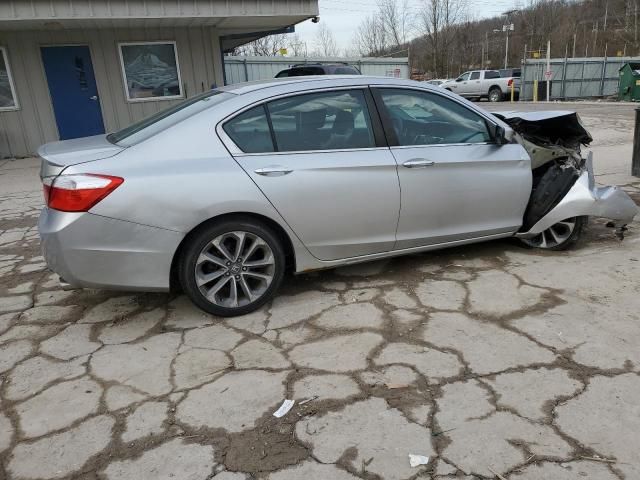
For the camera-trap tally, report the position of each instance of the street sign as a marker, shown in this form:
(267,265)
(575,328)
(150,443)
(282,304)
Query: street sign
(548,74)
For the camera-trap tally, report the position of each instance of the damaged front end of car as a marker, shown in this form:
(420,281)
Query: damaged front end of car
(563,180)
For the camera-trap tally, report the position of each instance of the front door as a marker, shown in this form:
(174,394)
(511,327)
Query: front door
(456,183)
(317,159)
(72,85)
(461,86)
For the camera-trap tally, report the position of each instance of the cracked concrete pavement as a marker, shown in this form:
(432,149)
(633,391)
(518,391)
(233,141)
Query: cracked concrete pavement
(486,358)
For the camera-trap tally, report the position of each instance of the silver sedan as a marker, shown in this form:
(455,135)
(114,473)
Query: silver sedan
(223,193)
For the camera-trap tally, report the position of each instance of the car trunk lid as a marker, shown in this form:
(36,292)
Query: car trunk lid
(56,156)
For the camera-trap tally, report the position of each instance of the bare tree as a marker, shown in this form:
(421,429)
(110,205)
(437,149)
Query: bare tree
(325,45)
(397,20)
(371,37)
(438,19)
(263,47)
(297,47)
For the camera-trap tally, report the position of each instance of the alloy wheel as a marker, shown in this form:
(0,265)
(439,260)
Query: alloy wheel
(553,236)
(234,269)
(494,95)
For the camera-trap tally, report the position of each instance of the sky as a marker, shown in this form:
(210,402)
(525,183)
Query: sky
(343,17)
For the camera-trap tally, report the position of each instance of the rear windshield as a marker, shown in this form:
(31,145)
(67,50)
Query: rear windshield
(164,119)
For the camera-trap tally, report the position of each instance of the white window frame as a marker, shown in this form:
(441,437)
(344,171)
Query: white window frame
(124,74)
(12,86)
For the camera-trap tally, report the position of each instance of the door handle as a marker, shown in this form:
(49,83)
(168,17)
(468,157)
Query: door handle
(94,98)
(273,171)
(418,163)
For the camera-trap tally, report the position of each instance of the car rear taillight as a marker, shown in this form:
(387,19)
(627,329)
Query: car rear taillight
(510,82)
(78,193)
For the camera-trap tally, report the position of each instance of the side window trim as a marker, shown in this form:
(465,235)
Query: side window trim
(376,121)
(274,141)
(374,115)
(387,124)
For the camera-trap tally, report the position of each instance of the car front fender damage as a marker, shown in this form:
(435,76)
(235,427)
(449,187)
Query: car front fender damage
(585,199)
(564,183)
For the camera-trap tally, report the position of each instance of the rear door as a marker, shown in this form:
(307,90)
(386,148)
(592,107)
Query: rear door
(456,183)
(321,160)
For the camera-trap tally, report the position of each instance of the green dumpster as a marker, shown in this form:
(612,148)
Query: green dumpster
(629,87)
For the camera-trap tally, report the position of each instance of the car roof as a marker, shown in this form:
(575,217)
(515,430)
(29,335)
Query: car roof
(312,81)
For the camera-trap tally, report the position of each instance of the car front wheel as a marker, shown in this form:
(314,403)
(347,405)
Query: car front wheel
(560,236)
(232,268)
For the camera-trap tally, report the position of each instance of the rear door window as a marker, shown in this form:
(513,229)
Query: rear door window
(475,76)
(250,131)
(322,121)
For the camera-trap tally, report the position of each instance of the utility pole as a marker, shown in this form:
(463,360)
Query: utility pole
(506,29)
(506,46)
(548,72)
(486,41)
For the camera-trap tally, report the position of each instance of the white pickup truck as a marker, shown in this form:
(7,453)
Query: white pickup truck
(483,84)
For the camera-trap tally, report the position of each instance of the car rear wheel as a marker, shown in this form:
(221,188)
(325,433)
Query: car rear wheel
(560,236)
(232,268)
(495,95)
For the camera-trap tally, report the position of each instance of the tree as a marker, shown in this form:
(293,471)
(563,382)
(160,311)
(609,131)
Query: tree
(438,19)
(396,19)
(263,47)
(371,37)
(297,47)
(325,44)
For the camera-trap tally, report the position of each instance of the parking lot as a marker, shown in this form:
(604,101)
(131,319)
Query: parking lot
(493,360)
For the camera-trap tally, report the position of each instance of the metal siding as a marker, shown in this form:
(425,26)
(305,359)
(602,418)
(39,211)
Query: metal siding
(244,69)
(24,130)
(582,77)
(62,9)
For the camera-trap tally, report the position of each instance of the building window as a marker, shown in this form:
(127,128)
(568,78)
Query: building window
(151,71)
(8,99)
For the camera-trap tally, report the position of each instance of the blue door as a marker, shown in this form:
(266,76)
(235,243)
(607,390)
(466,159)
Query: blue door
(74,94)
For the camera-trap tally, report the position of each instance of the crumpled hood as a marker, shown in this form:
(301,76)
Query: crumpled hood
(548,127)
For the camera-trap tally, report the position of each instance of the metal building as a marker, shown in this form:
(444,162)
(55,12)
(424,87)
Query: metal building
(74,68)
(246,69)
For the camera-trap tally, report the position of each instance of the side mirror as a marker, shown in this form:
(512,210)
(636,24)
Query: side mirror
(499,135)
(459,79)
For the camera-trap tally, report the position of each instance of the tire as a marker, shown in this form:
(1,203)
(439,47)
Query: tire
(495,95)
(218,251)
(552,186)
(561,236)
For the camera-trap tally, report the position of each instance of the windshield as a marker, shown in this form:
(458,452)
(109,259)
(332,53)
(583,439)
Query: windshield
(164,119)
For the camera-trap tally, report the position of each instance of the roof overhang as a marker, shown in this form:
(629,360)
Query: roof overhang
(236,16)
